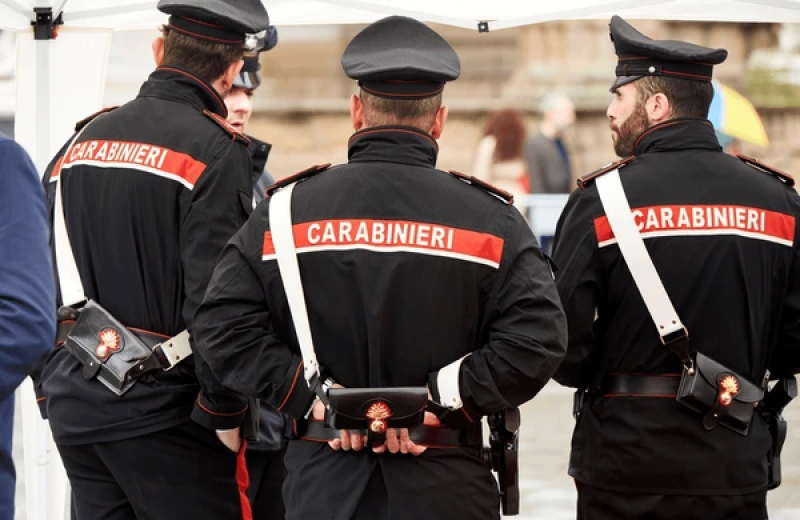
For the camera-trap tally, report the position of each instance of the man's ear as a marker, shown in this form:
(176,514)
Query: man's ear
(158,50)
(356,112)
(658,108)
(438,123)
(230,75)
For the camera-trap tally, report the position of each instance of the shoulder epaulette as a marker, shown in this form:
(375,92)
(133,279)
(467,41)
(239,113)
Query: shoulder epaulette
(305,174)
(85,121)
(584,181)
(478,183)
(223,123)
(758,165)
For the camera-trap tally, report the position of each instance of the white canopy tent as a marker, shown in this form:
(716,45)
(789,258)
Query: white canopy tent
(60,81)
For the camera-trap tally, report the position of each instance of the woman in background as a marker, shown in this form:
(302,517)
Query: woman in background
(498,158)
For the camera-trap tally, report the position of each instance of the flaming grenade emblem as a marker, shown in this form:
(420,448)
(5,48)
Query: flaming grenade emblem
(377,413)
(109,343)
(729,388)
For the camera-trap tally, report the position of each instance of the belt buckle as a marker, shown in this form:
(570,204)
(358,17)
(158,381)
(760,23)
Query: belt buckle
(175,349)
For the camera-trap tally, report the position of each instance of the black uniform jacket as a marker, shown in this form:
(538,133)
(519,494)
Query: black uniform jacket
(273,427)
(405,269)
(723,237)
(152,192)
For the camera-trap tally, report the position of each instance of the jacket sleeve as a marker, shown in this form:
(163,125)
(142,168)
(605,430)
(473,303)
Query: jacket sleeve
(786,357)
(575,252)
(27,299)
(234,333)
(219,206)
(526,335)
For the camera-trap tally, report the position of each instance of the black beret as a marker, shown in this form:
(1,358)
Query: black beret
(640,56)
(233,22)
(402,58)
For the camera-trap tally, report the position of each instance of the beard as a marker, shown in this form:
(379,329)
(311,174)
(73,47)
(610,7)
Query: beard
(630,131)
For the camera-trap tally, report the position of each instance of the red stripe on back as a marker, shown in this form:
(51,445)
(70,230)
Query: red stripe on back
(138,155)
(694,219)
(57,169)
(390,234)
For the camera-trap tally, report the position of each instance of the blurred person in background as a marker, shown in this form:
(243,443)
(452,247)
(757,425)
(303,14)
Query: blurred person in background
(498,158)
(546,154)
(27,293)
(264,456)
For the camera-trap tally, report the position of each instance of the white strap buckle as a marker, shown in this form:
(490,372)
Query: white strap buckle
(176,349)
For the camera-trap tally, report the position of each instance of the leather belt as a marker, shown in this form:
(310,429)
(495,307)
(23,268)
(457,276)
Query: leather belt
(635,385)
(430,436)
(158,361)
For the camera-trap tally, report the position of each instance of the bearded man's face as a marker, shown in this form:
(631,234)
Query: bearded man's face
(627,118)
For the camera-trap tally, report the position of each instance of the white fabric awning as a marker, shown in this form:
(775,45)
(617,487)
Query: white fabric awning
(139,14)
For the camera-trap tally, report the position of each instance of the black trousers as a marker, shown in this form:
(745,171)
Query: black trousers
(181,472)
(267,473)
(440,484)
(599,504)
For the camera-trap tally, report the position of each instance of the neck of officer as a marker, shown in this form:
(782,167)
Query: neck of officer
(220,86)
(388,125)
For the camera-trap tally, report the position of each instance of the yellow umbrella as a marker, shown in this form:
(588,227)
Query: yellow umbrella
(732,114)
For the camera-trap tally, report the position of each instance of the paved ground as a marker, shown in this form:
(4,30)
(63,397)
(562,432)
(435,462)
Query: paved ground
(549,494)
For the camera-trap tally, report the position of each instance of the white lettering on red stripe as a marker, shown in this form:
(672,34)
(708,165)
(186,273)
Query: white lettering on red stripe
(148,158)
(705,220)
(393,236)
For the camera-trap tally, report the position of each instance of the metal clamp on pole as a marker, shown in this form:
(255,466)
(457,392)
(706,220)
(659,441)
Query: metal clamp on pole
(45,26)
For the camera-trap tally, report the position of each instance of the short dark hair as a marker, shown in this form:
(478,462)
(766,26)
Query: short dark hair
(206,60)
(687,97)
(417,113)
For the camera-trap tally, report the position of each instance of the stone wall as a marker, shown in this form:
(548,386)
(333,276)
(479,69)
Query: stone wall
(302,107)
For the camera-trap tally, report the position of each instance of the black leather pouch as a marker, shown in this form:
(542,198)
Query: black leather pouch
(720,395)
(107,350)
(376,409)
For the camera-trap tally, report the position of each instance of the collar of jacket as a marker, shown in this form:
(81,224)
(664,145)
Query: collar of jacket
(259,152)
(681,133)
(176,84)
(396,144)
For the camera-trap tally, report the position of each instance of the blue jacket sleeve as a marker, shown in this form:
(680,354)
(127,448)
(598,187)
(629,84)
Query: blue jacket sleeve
(27,299)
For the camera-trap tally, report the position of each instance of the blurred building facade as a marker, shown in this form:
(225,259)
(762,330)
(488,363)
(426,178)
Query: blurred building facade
(302,106)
